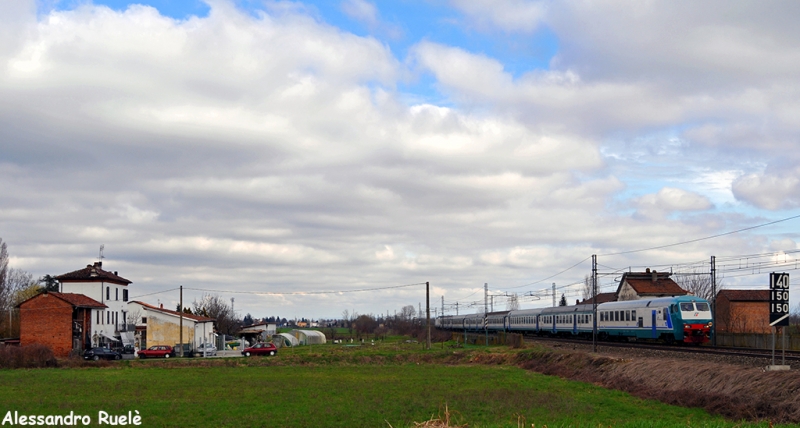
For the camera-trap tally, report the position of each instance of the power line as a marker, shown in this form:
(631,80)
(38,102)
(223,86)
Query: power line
(289,293)
(702,239)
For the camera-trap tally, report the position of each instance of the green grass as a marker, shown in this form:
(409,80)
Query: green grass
(331,395)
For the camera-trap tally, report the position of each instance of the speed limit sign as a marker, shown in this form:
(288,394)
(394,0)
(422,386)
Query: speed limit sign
(779,299)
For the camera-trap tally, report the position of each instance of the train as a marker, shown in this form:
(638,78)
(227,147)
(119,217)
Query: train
(678,319)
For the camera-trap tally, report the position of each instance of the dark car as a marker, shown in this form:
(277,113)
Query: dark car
(187,350)
(101,353)
(157,351)
(127,349)
(260,349)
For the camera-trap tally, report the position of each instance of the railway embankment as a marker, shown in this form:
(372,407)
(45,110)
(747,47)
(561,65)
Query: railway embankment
(735,390)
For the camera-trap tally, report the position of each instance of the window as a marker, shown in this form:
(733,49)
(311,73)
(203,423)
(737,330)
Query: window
(702,306)
(627,315)
(125,295)
(616,315)
(108,293)
(108,317)
(116,293)
(633,315)
(98,317)
(687,306)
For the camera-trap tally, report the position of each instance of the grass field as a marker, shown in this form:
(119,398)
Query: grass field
(335,386)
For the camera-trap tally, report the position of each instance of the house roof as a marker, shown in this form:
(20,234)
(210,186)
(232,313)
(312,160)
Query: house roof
(76,300)
(93,273)
(601,298)
(175,313)
(745,295)
(651,283)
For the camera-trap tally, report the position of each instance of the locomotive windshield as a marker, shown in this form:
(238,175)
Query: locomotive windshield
(702,306)
(687,306)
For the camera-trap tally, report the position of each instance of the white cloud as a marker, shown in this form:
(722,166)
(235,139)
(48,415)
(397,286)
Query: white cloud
(769,191)
(508,15)
(669,200)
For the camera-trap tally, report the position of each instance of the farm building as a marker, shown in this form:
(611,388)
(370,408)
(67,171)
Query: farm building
(646,285)
(158,326)
(257,332)
(309,337)
(60,321)
(743,311)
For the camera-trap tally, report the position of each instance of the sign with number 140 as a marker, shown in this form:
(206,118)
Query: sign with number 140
(779,299)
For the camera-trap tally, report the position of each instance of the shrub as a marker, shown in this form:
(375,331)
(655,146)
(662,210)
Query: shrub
(30,356)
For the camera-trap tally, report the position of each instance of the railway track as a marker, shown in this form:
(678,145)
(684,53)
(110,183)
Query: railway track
(791,356)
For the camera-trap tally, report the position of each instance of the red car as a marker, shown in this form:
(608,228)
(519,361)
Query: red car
(158,351)
(260,349)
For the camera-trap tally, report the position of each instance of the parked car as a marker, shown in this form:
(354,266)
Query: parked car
(98,353)
(127,349)
(187,350)
(157,351)
(208,348)
(260,349)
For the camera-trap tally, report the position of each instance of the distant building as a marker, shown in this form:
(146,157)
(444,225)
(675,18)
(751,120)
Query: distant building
(258,332)
(61,321)
(743,311)
(601,298)
(648,284)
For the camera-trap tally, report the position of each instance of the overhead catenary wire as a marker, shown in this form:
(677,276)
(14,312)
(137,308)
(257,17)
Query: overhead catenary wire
(300,293)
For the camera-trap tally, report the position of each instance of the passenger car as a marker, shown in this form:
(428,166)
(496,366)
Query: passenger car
(98,353)
(260,349)
(157,351)
(209,349)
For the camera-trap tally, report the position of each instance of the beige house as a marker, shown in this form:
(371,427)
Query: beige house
(158,326)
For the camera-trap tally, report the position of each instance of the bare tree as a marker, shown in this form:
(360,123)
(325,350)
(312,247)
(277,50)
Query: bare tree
(587,288)
(5,292)
(215,307)
(408,312)
(698,283)
(513,302)
(22,286)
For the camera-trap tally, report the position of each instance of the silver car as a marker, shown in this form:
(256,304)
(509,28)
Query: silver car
(210,350)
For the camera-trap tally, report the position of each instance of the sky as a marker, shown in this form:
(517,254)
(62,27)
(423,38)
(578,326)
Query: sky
(289,155)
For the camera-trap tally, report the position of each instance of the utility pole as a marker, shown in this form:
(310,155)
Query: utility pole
(442,306)
(180,334)
(713,301)
(594,302)
(456,308)
(428,309)
(486,311)
(554,294)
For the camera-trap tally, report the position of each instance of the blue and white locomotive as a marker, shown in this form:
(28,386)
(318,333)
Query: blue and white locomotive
(685,319)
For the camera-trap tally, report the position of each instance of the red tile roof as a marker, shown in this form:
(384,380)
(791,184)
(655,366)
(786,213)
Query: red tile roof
(745,295)
(93,273)
(601,298)
(77,300)
(176,313)
(643,283)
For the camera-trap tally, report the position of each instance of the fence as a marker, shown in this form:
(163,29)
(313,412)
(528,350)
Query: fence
(758,341)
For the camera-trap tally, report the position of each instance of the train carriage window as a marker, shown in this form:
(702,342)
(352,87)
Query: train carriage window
(664,314)
(627,315)
(616,315)
(633,315)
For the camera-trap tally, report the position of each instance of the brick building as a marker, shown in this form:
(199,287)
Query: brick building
(61,321)
(743,311)
(648,284)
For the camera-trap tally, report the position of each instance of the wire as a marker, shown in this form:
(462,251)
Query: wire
(287,293)
(701,239)
(150,294)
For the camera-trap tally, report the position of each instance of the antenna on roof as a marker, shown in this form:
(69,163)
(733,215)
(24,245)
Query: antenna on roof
(102,247)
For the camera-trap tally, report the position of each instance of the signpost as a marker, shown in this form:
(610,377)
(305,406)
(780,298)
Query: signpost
(779,313)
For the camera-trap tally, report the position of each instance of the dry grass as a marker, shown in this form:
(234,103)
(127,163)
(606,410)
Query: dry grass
(438,421)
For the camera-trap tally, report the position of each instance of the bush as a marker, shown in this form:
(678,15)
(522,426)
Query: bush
(30,356)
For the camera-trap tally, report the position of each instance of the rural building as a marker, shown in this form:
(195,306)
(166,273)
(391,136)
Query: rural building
(601,298)
(284,339)
(60,321)
(648,284)
(258,332)
(110,324)
(743,311)
(158,326)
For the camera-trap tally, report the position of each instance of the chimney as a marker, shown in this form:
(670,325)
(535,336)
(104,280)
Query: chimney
(115,273)
(98,265)
(655,276)
(162,306)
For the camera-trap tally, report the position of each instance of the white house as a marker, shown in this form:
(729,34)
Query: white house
(108,324)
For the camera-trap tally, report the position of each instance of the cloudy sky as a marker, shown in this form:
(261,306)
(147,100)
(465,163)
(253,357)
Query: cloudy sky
(294,147)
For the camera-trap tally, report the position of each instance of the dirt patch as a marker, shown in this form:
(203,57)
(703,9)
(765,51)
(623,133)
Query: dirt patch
(733,391)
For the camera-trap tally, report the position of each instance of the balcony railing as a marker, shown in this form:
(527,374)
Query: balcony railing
(126,327)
